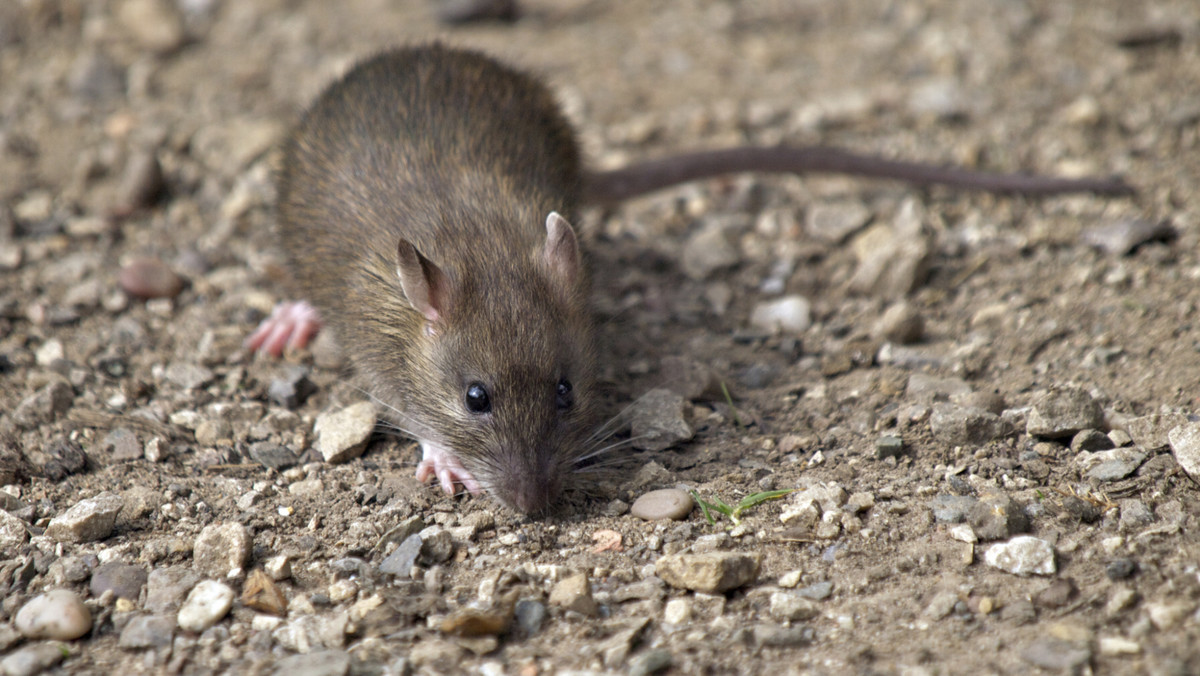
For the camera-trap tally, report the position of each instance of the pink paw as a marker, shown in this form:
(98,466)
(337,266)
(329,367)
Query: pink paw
(437,462)
(291,326)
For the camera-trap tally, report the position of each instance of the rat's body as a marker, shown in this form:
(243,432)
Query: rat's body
(419,204)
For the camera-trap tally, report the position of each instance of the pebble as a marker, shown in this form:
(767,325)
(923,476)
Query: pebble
(167,587)
(148,631)
(154,24)
(262,594)
(1119,569)
(34,658)
(141,183)
(343,435)
(13,532)
(1121,237)
(666,504)
(319,663)
(472,622)
(437,545)
(87,520)
(1115,646)
(1185,446)
(45,405)
(657,420)
(889,446)
(691,379)
(773,635)
(900,323)
(793,607)
(149,278)
(1056,655)
(961,426)
(188,376)
(58,614)
(1022,555)
(789,314)
(206,604)
(273,455)
(1063,412)
(1153,432)
(678,611)
(833,222)
(122,444)
(1091,440)
(1058,594)
(220,549)
(292,389)
(650,662)
(1166,615)
(707,251)
(94,76)
(893,260)
(998,517)
(403,558)
(529,615)
(818,591)
(1115,464)
(125,580)
(574,593)
(711,573)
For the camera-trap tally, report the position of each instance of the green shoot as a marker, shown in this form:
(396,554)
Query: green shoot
(735,513)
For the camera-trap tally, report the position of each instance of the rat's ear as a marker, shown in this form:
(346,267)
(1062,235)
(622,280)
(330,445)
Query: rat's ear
(425,285)
(562,252)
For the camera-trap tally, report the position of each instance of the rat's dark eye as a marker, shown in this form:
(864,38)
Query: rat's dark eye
(563,397)
(477,398)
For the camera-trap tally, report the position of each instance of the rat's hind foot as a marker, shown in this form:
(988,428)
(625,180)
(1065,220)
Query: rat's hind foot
(291,326)
(437,461)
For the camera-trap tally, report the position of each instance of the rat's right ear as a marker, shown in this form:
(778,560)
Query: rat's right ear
(425,285)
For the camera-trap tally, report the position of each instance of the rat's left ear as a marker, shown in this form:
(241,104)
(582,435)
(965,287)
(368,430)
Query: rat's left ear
(562,252)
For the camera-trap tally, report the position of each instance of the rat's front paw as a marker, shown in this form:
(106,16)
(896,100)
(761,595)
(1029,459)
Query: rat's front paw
(437,461)
(291,325)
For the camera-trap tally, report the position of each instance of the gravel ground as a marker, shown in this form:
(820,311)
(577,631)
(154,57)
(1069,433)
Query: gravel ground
(986,405)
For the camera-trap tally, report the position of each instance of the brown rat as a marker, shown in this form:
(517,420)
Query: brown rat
(420,201)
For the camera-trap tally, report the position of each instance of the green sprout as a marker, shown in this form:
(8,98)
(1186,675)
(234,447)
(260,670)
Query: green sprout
(735,513)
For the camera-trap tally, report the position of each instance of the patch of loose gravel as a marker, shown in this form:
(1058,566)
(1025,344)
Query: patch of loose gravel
(984,402)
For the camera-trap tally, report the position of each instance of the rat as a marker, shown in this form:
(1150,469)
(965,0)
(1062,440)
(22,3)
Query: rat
(424,209)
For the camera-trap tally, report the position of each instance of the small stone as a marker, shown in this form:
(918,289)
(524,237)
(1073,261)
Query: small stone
(666,504)
(1166,615)
(141,183)
(125,580)
(343,435)
(1022,555)
(94,76)
(657,420)
(773,635)
(33,659)
(262,594)
(122,444)
(793,607)
(87,521)
(206,604)
(13,531)
(148,631)
(998,517)
(1116,646)
(471,622)
(707,251)
(574,593)
(1057,595)
(167,587)
(437,545)
(678,611)
(149,278)
(1185,446)
(1119,569)
(1063,412)
(57,614)
(790,314)
(711,572)
(833,222)
(401,561)
(1091,440)
(1056,655)
(213,430)
(529,616)
(691,379)
(962,426)
(1122,237)
(44,406)
(188,376)
(220,549)
(893,259)
(1115,464)
(292,389)
(154,24)
(316,663)
(818,591)
(1152,432)
(889,446)
(273,455)
(900,323)
(650,662)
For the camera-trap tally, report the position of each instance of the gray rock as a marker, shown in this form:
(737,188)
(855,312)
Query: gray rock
(320,663)
(650,662)
(141,182)
(94,76)
(167,587)
(1185,446)
(1115,464)
(529,615)
(793,607)
(1063,412)
(651,588)
(155,25)
(789,314)
(292,389)
(343,435)
(1091,440)
(962,426)
(818,592)
(221,548)
(707,251)
(691,379)
(34,659)
(657,420)
(711,573)
(188,376)
(87,520)
(13,532)
(775,636)
(1055,655)
(148,631)
(666,504)
(210,432)
(205,605)
(125,580)
(1135,515)
(574,593)
(58,614)
(44,406)
(1122,237)
(889,446)
(401,561)
(996,518)
(1022,555)
(893,260)
(833,222)
(122,444)
(952,508)
(272,455)
(436,546)
(928,387)
(900,323)
(1152,432)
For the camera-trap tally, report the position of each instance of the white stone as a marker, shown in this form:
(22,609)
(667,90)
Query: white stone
(206,604)
(1022,555)
(57,614)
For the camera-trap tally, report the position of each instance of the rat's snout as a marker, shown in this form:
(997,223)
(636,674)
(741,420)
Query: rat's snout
(531,493)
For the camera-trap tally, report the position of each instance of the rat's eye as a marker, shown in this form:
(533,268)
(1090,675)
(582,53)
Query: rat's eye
(563,397)
(477,398)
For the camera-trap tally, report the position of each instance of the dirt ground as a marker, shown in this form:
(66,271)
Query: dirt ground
(1019,300)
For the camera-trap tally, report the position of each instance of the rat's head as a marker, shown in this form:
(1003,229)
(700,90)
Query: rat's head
(508,349)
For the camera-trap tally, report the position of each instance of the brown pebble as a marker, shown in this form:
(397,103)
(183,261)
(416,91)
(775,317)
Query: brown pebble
(668,503)
(149,278)
(141,184)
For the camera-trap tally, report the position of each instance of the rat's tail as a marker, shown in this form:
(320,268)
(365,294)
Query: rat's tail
(608,187)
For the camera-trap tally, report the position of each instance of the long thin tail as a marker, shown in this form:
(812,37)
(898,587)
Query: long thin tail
(608,187)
